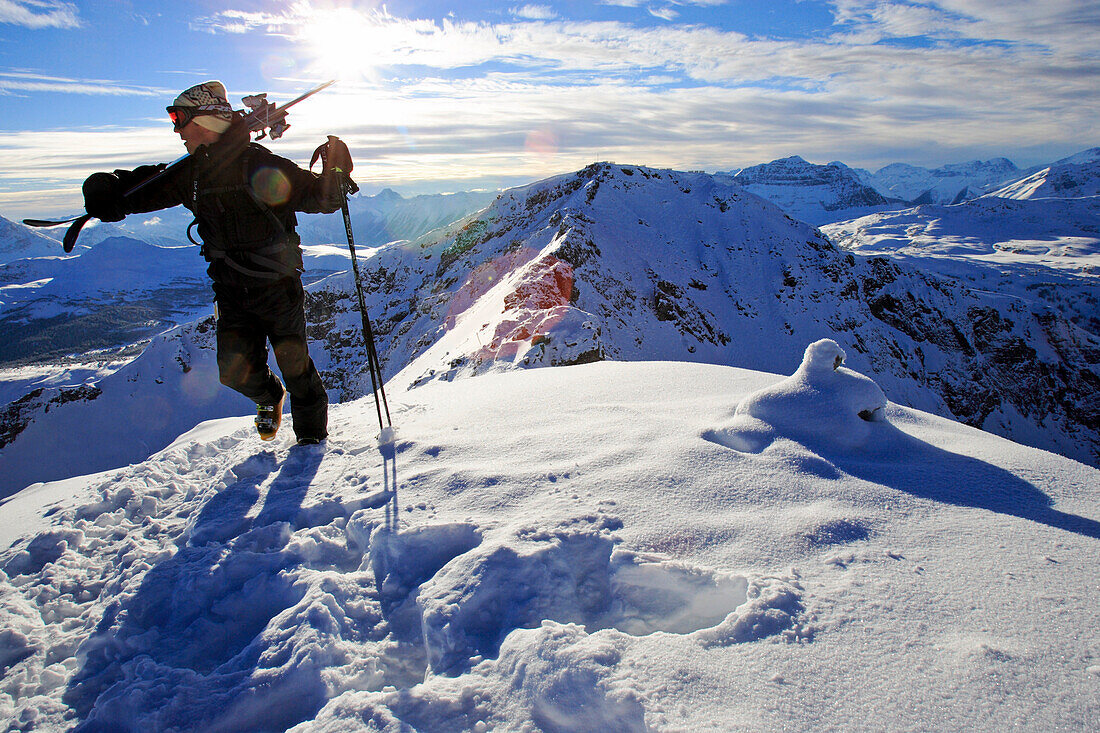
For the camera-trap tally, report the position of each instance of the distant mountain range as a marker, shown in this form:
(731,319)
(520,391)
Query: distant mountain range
(825,194)
(948,184)
(139,276)
(993,326)
(378,219)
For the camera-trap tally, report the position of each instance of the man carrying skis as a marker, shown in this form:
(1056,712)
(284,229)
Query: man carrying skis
(243,198)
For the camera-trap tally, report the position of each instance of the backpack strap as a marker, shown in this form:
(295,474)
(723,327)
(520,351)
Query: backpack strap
(274,269)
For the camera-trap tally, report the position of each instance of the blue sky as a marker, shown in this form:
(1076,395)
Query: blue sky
(439,96)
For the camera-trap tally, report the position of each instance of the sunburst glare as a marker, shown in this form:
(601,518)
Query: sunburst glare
(342,43)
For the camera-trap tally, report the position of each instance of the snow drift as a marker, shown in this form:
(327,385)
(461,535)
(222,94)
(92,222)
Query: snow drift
(554,549)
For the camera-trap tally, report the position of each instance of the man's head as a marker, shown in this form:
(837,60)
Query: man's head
(201,114)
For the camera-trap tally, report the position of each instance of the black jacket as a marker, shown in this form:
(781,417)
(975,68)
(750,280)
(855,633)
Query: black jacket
(243,197)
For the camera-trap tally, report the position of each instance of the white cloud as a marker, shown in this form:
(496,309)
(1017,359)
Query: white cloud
(535,12)
(15,81)
(1062,24)
(41,170)
(671,95)
(39,14)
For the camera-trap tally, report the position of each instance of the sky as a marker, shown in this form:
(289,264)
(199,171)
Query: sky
(434,97)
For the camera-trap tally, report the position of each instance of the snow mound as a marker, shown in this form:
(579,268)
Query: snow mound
(822,404)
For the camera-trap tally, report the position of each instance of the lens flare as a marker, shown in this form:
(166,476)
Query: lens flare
(271,185)
(542,142)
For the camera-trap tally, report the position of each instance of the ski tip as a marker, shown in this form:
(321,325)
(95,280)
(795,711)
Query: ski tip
(74,231)
(42,223)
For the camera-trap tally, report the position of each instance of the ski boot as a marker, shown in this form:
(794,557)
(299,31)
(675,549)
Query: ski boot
(269,417)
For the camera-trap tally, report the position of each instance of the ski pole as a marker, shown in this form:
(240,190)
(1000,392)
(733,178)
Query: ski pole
(374,366)
(378,385)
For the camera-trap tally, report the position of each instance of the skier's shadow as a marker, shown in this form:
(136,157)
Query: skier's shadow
(900,461)
(189,627)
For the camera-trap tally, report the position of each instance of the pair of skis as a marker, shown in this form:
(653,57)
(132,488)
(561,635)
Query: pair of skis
(264,117)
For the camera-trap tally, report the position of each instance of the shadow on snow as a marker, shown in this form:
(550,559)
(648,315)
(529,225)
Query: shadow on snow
(188,630)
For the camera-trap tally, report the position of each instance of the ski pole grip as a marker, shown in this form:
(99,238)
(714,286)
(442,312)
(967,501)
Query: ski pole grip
(334,155)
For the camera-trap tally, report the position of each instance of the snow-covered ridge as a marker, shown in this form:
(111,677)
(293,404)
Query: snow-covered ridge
(1073,177)
(18,242)
(631,263)
(726,278)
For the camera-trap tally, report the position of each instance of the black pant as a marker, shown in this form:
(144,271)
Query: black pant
(250,317)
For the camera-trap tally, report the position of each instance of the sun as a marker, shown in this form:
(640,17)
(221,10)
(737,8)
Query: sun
(342,43)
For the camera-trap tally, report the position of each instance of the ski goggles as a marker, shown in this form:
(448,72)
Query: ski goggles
(180,116)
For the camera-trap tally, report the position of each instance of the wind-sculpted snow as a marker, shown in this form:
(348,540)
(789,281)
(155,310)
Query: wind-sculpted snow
(557,549)
(840,416)
(822,403)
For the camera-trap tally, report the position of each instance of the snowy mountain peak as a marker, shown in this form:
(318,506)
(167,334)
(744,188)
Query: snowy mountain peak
(1077,176)
(993,168)
(813,193)
(1092,155)
(531,278)
(18,241)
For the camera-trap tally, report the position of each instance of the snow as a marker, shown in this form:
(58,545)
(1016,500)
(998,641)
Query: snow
(632,263)
(18,242)
(562,549)
(822,401)
(1074,177)
(642,545)
(817,194)
(947,184)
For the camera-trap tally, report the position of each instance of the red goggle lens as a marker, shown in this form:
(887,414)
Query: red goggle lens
(180,116)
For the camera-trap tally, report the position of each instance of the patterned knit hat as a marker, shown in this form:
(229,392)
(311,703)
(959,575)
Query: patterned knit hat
(211,98)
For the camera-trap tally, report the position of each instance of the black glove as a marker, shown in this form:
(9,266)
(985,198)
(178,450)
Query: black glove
(103,197)
(335,163)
